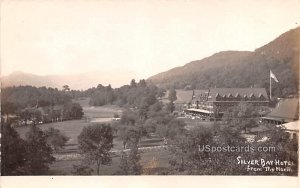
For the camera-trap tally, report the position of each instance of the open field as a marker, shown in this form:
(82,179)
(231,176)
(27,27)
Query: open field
(106,111)
(161,156)
(196,123)
(70,128)
(92,115)
(74,127)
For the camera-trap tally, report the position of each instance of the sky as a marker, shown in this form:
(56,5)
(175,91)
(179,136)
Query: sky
(136,37)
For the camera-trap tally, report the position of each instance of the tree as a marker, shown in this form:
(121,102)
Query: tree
(170,107)
(129,135)
(150,125)
(185,150)
(286,147)
(189,156)
(128,118)
(160,92)
(143,109)
(72,111)
(27,96)
(25,115)
(13,153)
(142,83)
(8,108)
(95,142)
(133,83)
(242,117)
(55,138)
(130,163)
(37,116)
(124,166)
(171,130)
(134,158)
(155,108)
(172,94)
(38,152)
(66,88)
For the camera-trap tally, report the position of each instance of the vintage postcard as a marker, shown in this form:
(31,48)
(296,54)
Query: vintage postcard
(203,90)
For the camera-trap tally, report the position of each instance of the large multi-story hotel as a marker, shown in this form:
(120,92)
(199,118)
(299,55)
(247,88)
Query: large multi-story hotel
(214,102)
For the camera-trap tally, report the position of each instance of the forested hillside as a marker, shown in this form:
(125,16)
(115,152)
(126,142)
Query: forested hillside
(242,69)
(32,105)
(133,95)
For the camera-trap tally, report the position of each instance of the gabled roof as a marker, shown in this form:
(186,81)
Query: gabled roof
(241,91)
(286,109)
(199,92)
(185,96)
(292,126)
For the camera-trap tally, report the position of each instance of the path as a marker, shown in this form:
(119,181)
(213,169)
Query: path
(77,156)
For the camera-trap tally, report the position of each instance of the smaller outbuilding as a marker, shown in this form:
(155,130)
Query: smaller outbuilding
(287,110)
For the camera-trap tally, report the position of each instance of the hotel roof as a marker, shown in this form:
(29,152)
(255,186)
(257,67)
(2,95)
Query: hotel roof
(243,92)
(184,96)
(286,109)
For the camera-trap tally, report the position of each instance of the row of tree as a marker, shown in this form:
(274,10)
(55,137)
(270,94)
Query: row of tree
(43,114)
(133,95)
(28,104)
(30,96)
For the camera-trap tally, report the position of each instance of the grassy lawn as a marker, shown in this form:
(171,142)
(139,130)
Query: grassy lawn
(73,128)
(195,123)
(66,167)
(69,128)
(106,111)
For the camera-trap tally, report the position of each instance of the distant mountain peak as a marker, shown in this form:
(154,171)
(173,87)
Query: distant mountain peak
(75,81)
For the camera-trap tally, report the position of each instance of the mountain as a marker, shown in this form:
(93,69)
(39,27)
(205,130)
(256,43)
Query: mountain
(242,68)
(75,81)
(220,60)
(21,78)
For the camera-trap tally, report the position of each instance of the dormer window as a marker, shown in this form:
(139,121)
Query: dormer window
(230,97)
(261,97)
(237,96)
(218,97)
(252,97)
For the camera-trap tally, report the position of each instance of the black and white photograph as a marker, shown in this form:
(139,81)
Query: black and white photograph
(150,88)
